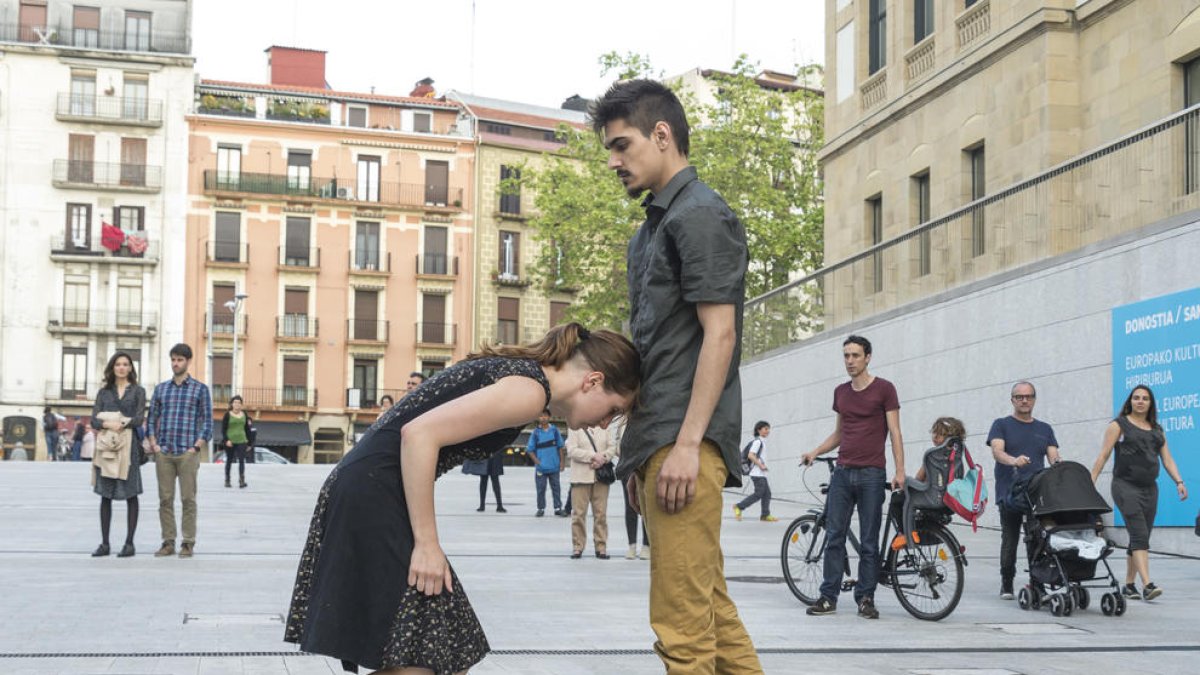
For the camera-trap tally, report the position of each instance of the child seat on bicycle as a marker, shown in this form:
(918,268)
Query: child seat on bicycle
(925,491)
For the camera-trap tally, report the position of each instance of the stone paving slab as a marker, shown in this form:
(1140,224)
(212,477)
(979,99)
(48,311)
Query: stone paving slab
(221,612)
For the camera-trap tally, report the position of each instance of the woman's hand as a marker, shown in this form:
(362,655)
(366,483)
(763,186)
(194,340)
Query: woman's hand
(428,570)
(1182,490)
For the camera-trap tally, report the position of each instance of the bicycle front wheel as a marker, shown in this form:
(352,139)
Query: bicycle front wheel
(928,575)
(801,555)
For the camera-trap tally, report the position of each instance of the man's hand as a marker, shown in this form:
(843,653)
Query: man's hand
(1020,461)
(808,458)
(631,491)
(898,481)
(155,447)
(676,486)
(428,570)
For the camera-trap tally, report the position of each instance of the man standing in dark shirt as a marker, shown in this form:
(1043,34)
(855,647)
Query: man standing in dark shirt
(1020,445)
(868,411)
(686,273)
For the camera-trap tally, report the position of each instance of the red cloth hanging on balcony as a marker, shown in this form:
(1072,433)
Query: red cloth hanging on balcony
(111,237)
(135,244)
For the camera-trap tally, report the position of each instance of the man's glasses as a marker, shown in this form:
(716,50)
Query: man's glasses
(1024,397)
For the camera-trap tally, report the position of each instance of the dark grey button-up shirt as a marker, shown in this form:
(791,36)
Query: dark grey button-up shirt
(690,250)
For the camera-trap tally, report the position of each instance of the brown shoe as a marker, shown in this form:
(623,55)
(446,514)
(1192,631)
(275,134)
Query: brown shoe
(185,550)
(168,548)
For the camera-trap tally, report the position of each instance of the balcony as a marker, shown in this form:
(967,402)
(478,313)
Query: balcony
(120,177)
(367,398)
(366,330)
(126,111)
(514,277)
(257,398)
(436,334)
(299,259)
(296,328)
(68,250)
(87,321)
(369,263)
(221,324)
(437,264)
(227,254)
(77,392)
(122,41)
(334,189)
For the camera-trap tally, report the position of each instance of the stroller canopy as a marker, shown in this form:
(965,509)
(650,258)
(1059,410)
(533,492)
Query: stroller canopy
(1066,486)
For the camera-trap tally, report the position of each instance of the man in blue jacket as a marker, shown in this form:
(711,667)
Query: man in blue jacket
(546,444)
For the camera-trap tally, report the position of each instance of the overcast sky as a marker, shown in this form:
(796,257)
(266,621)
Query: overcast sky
(533,51)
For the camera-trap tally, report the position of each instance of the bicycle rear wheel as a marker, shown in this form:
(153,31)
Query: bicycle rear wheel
(928,576)
(801,555)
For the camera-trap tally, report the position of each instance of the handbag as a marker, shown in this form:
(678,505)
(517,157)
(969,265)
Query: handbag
(139,444)
(607,473)
(475,467)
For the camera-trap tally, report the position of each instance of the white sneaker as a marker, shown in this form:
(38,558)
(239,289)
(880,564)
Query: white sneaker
(631,554)
(645,554)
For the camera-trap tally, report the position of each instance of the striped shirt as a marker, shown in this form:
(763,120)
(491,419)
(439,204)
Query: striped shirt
(180,415)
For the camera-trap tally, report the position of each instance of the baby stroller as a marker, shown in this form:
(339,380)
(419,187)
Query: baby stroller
(1066,543)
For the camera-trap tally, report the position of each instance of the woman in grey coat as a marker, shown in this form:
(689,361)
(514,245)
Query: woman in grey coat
(121,393)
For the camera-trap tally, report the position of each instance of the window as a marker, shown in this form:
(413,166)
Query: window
(222,316)
(297,252)
(921,197)
(875,222)
(433,319)
(295,312)
(368,179)
(877,37)
(558,313)
(136,102)
(229,166)
(32,21)
(435,261)
(508,312)
(80,154)
(356,116)
(83,94)
(295,381)
(422,122)
(75,301)
(510,256)
(79,228)
(968,3)
(366,246)
(493,128)
(227,239)
(437,182)
(299,170)
(222,377)
(922,19)
(130,218)
(365,325)
(978,190)
(74,370)
(431,368)
(510,198)
(133,161)
(366,377)
(86,27)
(137,31)
(129,305)
(1191,96)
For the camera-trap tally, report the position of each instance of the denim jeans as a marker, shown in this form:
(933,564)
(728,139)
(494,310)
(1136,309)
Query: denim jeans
(540,480)
(52,445)
(850,487)
(1011,533)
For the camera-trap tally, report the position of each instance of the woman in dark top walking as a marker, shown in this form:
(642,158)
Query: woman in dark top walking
(1140,445)
(237,428)
(374,588)
(121,393)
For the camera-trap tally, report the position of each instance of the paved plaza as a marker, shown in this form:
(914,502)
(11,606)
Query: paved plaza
(222,611)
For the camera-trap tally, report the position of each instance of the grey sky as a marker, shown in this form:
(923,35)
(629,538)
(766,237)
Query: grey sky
(534,51)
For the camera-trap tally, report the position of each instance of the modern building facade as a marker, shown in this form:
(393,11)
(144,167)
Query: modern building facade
(93,185)
(345,221)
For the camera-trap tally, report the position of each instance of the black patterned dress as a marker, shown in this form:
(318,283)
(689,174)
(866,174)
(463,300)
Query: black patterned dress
(352,600)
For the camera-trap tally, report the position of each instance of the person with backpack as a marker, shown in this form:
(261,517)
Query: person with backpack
(755,466)
(546,444)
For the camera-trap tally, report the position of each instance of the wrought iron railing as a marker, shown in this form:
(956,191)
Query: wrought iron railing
(117,109)
(107,175)
(436,333)
(348,189)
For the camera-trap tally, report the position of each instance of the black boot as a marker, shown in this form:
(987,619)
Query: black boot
(101,551)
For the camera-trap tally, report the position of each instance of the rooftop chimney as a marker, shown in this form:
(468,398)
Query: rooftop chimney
(297,67)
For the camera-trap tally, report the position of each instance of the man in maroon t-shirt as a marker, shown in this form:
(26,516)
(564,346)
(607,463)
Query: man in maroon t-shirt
(868,412)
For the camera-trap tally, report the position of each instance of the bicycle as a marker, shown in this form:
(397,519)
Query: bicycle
(926,574)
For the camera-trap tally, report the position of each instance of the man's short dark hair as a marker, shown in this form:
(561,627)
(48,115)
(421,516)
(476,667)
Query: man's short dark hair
(182,349)
(861,342)
(642,104)
(417,373)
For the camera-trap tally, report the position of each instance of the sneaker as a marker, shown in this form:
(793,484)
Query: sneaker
(769,519)
(823,607)
(737,513)
(563,513)
(540,513)
(1131,592)
(631,554)
(866,609)
(168,548)
(185,550)
(1006,590)
(1151,592)
(645,554)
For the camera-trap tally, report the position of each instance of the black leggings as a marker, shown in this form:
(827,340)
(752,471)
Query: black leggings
(131,518)
(236,453)
(631,517)
(483,481)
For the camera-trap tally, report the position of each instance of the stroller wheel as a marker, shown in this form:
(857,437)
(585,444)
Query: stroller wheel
(1057,606)
(1068,605)
(1035,597)
(1120,609)
(1082,598)
(1108,604)
(1023,600)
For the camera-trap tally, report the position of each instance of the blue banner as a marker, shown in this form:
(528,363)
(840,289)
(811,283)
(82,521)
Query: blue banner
(1156,342)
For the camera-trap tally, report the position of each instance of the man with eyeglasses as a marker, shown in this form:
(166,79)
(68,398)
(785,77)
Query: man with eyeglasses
(1021,445)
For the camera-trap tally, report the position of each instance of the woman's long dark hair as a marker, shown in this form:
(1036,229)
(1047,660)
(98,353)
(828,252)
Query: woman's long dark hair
(1151,414)
(110,377)
(608,352)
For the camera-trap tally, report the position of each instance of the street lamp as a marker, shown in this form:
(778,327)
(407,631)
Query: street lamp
(234,305)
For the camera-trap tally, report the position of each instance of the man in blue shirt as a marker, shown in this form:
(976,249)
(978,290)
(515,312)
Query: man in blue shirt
(1021,445)
(180,426)
(546,444)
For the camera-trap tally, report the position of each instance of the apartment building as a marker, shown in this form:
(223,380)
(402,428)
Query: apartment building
(93,161)
(510,307)
(329,248)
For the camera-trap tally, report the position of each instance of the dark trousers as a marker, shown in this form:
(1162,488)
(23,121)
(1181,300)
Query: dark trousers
(1013,526)
(52,446)
(236,453)
(540,481)
(762,492)
(483,481)
(860,487)
(631,516)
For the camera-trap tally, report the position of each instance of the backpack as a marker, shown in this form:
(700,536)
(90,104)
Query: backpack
(745,459)
(966,495)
